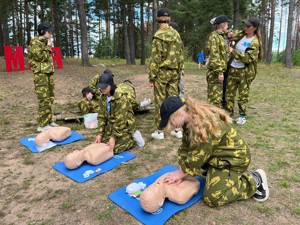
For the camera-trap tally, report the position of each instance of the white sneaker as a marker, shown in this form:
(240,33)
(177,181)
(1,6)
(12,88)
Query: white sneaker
(177,134)
(52,124)
(43,128)
(139,138)
(241,121)
(158,135)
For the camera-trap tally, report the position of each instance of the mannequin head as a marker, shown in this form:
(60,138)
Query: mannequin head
(153,197)
(42,138)
(73,159)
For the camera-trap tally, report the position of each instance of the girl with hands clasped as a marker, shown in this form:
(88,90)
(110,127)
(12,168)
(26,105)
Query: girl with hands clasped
(211,146)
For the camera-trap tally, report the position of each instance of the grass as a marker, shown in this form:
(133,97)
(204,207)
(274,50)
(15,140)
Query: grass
(32,192)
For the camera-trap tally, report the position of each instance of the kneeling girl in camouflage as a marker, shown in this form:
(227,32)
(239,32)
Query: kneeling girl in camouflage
(116,121)
(211,145)
(89,103)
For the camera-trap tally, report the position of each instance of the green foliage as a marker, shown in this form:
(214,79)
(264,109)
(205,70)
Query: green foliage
(296,58)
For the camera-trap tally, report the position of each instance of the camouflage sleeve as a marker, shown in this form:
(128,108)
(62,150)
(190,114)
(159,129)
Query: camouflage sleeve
(192,156)
(238,34)
(40,52)
(156,58)
(250,55)
(102,118)
(122,106)
(215,60)
(93,85)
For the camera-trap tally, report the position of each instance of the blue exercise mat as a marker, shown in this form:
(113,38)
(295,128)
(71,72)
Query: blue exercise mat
(132,205)
(87,171)
(30,144)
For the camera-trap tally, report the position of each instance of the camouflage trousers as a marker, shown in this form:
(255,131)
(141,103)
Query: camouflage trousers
(88,106)
(122,144)
(237,81)
(214,88)
(224,186)
(44,89)
(164,88)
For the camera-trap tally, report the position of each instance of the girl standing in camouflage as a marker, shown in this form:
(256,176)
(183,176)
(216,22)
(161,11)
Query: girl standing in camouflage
(165,66)
(209,143)
(40,60)
(243,68)
(218,58)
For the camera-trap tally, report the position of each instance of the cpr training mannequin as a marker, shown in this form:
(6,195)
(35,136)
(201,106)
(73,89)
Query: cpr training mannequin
(94,154)
(153,197)
(54,134)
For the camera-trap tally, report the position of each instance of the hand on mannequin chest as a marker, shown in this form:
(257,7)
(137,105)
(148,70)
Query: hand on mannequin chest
(153,197)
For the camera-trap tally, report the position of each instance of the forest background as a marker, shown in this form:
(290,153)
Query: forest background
(124,29)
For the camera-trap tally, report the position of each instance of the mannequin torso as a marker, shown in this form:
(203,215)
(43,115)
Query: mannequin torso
(152,198)
(54,133)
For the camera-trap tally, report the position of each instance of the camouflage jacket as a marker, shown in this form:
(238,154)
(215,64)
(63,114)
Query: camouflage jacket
(218,52)
(166,53)
(228,151)
(117,118)
(93,85)
(250,57)
(40,56)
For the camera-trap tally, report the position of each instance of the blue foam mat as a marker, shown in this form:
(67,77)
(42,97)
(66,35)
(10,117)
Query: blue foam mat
(87,171)
(132,205)
(30,144)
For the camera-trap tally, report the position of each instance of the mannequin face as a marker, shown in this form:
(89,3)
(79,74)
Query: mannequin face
(73,160)
(153,197)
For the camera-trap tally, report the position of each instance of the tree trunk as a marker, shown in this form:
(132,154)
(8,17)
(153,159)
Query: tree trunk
(71,24)
(66,44)
(131,33)
(125,36)
(142,33)
(107,21)
(27,23)
(264,25)
(270,43)
(288,48)
(236,13)
(56,22)
(279,34)
(83,33)
(154,17)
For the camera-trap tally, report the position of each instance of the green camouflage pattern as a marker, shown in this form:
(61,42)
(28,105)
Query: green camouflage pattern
(88,106)
(120,121)
(218,59)
(225,159)
(165,66)
(40,56)
(44,89)
(163,89)
(166,53)
(93,85)
(241,79)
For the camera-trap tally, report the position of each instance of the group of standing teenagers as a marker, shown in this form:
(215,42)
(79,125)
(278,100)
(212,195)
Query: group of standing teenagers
(232,66)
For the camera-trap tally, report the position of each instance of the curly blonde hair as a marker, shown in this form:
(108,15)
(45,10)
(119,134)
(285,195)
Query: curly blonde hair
(204,119)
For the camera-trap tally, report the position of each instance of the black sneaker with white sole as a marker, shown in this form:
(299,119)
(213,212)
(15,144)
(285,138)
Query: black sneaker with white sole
(262,191)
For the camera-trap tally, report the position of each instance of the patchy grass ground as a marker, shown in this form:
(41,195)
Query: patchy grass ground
(32,192)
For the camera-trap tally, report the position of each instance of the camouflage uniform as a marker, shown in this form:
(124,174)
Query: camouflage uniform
(93,85)
(88,106)
(241,78)
(218,58)
(116,118)
(225,159)
(165,65)
(40,60)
